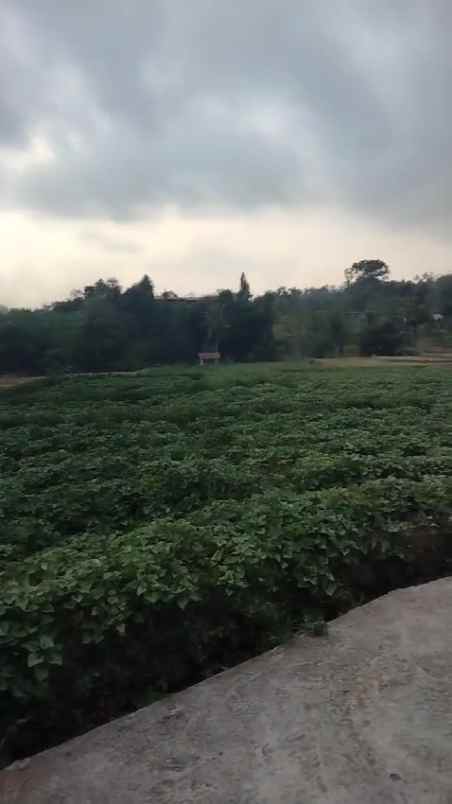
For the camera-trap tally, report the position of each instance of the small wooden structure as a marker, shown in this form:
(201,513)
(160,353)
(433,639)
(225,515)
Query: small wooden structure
(206,358)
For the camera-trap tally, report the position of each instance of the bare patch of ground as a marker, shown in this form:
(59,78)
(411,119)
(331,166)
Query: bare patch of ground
(10,380)
(437,359)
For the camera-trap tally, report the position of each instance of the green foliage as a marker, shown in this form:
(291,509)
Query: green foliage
(382,338)
(157,528)
(367,271)
(104,328)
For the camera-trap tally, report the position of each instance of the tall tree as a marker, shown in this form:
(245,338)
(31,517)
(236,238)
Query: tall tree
(103,337)
(216,326)
(244,293)
(139,303)
(367,270)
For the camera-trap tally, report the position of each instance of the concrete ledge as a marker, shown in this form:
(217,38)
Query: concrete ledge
(362,715)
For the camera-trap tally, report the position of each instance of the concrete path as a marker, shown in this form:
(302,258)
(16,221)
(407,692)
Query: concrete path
(362,715)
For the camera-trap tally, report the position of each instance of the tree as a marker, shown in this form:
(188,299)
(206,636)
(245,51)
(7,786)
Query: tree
(365,270)
(20,342)
(289,331)
(244,293)
(139,304)
(339,330)
(381,338)
(102,327)
(216,326)
(109,290)
(443,296)
(103,337)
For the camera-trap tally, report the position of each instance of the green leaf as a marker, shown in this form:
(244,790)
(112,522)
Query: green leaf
(34,659)
(46,641)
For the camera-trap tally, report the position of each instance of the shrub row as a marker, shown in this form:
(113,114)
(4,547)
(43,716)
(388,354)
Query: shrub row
(107,494)
(89,627)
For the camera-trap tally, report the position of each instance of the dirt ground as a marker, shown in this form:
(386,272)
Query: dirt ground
(9,380)
(439,359)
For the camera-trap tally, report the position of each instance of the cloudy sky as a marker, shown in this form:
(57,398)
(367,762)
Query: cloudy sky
(194,139)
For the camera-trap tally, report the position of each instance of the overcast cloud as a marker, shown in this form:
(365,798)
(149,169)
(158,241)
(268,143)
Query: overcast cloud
(126,111)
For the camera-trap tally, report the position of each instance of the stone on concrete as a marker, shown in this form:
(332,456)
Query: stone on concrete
(359,716)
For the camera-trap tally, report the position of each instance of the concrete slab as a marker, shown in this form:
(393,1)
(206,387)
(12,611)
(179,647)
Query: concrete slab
(362,715)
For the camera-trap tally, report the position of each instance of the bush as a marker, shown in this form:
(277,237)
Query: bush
(381,338)
(155,529)
(89,626)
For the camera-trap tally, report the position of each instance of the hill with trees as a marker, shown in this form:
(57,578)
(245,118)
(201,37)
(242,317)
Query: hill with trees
(104,327)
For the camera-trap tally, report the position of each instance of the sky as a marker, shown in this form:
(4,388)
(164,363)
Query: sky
(196,140)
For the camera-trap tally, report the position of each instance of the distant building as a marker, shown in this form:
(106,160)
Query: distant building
(438,317)
(171,297)
(208,357)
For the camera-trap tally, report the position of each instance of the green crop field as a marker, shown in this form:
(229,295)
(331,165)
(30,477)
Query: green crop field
(159,527)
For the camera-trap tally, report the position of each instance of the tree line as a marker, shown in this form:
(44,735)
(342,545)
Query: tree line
(106,328)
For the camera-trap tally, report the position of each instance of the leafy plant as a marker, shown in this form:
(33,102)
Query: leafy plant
(155,531)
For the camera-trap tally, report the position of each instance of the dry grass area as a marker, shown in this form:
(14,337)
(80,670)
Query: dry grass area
(10,380)
(443,359)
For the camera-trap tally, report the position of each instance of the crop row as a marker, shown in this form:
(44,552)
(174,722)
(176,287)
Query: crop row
(92,623)
(156,528)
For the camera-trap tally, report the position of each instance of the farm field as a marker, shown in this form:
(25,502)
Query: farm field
(157,528)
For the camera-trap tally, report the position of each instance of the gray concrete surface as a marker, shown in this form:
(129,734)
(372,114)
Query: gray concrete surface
(362,715)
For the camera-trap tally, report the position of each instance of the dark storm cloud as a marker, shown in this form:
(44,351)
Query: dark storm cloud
(199,105)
